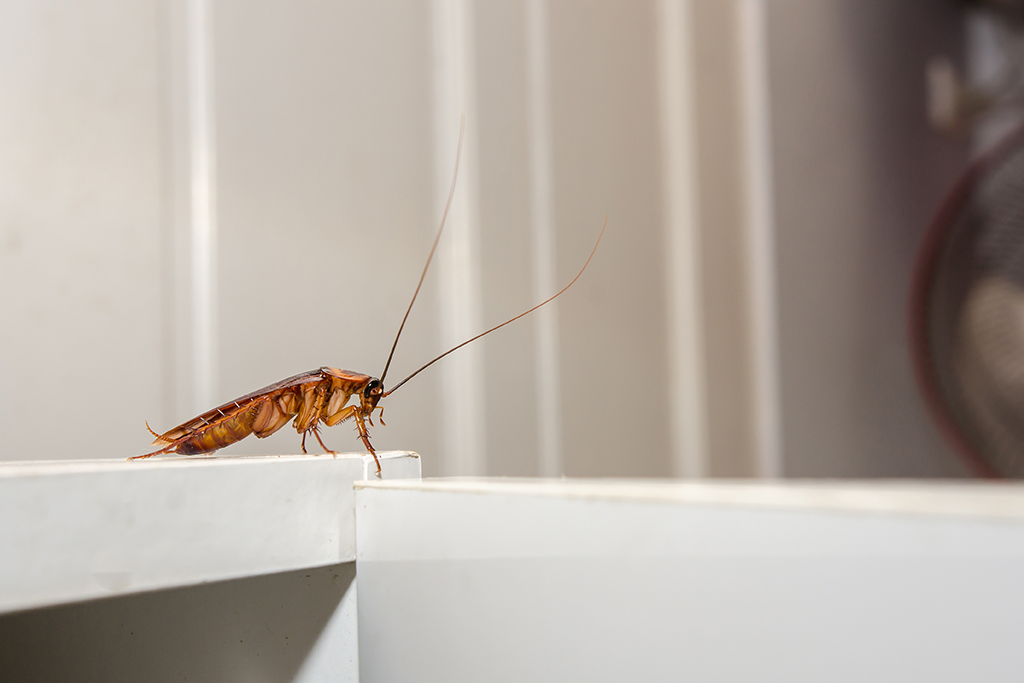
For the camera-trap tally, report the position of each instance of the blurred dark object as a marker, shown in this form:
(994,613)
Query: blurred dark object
(955,102)
(967,301)
(967,313)
(1011,9)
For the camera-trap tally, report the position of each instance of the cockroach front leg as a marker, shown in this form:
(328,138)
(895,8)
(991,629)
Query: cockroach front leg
(380,417)
(364,436)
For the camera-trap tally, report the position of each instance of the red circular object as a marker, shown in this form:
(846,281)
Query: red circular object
(949,263)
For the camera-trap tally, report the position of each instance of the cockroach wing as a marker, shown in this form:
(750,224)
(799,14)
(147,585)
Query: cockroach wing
(233,408)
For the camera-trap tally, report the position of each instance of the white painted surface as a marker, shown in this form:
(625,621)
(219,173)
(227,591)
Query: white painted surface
(607,152)
(334,655)
(458,258)
(74,531)
(547,382)
(683,265)
(760,235)
(294,626)
(326,204)
(325,124)
(328,149)
(657,581)
(718,109)
(80,212)
(203,200)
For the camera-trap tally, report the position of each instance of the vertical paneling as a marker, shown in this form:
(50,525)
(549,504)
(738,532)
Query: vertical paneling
(606,156)
(329,159)
(454,84)
(687,368)
(725,284)
(547,375)
(203,235)
(80,227)
(760,235)
(505,215)
(326,202)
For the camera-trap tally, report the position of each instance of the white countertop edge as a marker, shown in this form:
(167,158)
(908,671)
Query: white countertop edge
(1001,500)
(79,530)
(21,468)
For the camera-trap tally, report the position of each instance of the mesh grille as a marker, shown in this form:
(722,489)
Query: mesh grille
(976,314)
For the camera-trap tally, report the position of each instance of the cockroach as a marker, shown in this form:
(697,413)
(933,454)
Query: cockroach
(318,395)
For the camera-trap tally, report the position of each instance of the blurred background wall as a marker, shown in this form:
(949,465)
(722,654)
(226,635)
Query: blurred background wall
(199,198)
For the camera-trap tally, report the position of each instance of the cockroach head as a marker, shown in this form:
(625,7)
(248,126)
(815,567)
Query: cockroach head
(373,391)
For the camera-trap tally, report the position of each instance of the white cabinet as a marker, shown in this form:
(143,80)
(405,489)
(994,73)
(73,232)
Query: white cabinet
(225,569)
(595,580)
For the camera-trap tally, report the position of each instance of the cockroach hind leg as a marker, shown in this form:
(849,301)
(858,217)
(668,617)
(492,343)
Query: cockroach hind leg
(316,433)
(143,456)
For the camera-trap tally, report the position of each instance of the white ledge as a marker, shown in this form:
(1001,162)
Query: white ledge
(908,496)
(519,580)
(78,530)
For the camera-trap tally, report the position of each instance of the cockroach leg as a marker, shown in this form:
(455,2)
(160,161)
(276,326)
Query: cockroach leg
(380,417)
(316,433)
(366,442)
(364,436)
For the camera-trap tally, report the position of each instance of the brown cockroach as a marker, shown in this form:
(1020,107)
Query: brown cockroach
(316,396)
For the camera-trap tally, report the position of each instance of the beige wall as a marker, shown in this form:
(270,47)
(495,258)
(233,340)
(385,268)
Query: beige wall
(324,125)
(81,173)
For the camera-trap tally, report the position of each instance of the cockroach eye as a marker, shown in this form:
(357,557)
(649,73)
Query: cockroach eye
(373,387)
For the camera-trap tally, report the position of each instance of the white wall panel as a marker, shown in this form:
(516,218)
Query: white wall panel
(556,580)
(326,183)
(506,214)
(606,157)
(80,227)
(326,201)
